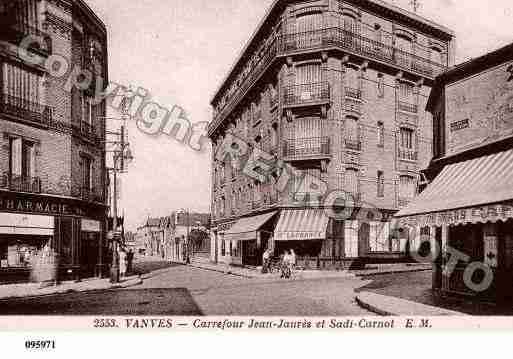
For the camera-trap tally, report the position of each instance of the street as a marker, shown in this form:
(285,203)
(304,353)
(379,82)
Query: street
(182,290)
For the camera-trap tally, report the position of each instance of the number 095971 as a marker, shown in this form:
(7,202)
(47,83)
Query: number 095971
(40,344)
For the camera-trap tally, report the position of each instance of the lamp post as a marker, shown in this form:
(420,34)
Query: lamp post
(187,239)
(121,156)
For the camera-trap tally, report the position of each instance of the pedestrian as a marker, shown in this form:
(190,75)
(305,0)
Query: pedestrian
(292,261)
(285,265)
(122,263)
(266,257)
(130,261)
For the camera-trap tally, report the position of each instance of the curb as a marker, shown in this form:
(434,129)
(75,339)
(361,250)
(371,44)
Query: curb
(372,308)
(127,284)
(219,271)
(393,272)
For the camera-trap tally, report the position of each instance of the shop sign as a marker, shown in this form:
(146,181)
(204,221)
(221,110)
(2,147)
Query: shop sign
(88,225)
(52,206)
(299,236)
(481,214)
(225,226)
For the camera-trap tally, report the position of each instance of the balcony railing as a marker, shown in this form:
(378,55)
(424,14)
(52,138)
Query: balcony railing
(306,94)
(306,147)
(16,32)
(353,93)
(25,110)
(352,144)
(407,107)
(407,154)
(19,183)
(322,38)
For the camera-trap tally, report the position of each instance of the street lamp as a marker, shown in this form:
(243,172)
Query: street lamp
(121,156)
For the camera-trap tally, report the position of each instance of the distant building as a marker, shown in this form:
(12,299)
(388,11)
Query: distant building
(336,91)
(467,208)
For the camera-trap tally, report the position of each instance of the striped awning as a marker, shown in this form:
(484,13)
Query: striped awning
(245,229)
(474,191)
(301,224)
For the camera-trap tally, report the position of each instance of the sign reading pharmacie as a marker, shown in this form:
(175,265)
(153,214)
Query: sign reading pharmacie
(36,204)
(478,214)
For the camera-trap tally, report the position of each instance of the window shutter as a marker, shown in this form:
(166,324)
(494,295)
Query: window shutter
(16,156)
(32,161)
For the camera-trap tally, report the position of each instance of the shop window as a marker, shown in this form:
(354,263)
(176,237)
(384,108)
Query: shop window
(66,245)
(231,249)
(379,237)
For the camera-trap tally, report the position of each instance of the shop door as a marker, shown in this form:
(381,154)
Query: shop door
(89,252)
(363,239)
(250,253)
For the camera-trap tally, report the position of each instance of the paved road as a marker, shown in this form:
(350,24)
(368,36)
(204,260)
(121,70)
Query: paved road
(180,290)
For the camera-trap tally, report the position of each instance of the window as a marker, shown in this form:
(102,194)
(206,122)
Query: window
(309,73)
(352,78)
(306,28)
(381,85)
(223,248)
(87,173)
(21,159)
(406,91)
(19,84)
(437,56)
(407,135)
(381,184)
(379,237)
(381,134)
(407,188)
(351,184)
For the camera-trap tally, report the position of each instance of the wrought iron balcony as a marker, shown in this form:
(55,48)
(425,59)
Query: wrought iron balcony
(15,32)
(353,93)
(301,148)
(18,183)
(403,201)
(352,144)
(407,154)
(306,94)
(25,110)
(407,107)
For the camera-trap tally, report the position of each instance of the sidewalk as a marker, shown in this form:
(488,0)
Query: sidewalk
(22,290)
(314,274)
(385,305)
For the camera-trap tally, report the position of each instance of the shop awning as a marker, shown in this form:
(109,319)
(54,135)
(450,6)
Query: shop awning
(474,191)
(301,224)
(245,229)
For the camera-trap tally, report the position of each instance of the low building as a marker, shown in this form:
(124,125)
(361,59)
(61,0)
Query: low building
(187,234)
(466,211)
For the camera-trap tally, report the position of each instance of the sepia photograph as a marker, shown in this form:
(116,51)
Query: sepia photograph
(256,164)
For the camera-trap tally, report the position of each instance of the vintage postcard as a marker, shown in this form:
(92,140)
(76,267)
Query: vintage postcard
(298,165)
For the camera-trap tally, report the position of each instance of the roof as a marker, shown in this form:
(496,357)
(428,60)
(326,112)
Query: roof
(277,6)
(469,68)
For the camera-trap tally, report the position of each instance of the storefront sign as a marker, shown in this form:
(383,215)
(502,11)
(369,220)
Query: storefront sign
(225,226)
(298,236)
(480,214)
(50,206)
(89,225)
(25,224)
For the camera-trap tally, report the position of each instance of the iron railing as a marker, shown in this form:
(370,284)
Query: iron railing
(306,93)
(305,147)
(353,93)
(18,183)
(407,107)
(407,154)
(25,110)
(353,144)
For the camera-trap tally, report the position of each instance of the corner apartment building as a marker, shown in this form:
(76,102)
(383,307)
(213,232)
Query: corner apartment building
(337,90)
(52,152)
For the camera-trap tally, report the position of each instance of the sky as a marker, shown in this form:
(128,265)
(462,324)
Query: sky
(181,50)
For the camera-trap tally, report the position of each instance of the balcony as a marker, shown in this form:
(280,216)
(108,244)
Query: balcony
(307,94)
(16,32)
(403,201)
(354,145)
(305,148)
(17,183)
(407,107)
(407,154)
(355,94)
(24,110)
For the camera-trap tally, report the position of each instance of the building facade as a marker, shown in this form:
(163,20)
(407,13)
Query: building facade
(333,91)
(52,152)
(468,205)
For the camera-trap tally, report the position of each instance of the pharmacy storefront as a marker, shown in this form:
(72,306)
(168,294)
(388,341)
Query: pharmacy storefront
(72,229)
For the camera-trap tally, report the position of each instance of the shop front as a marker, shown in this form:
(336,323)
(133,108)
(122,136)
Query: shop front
(246,239)
(71,229)
(468,209)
